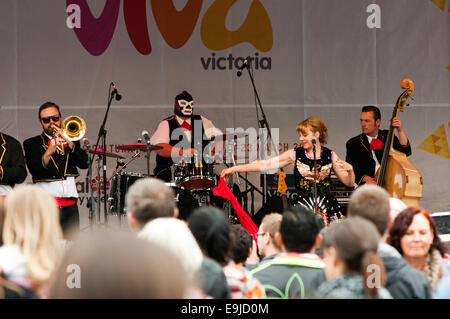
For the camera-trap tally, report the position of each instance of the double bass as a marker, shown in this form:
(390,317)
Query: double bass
(396,174)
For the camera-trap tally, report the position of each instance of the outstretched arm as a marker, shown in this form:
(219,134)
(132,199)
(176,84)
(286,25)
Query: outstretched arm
(280,161)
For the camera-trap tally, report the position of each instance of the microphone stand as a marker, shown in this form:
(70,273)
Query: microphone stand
(315,176)
(262,124)
(102,134)
(147,144)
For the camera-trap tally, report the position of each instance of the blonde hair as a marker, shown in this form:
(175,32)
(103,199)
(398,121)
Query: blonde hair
(32,224)
(316,125)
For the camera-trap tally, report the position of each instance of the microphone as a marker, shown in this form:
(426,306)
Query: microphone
(86,144)
(313,140)
(244,65)
(115,92)
(146,136)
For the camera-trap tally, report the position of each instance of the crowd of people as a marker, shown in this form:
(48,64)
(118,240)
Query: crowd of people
(381,249)
(368,254)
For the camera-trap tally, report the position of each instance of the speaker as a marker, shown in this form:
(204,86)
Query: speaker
(273,205)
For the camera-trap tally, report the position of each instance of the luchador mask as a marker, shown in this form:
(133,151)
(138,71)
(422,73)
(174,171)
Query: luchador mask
(184,104)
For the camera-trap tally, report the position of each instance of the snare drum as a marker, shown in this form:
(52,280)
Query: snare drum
(119,188)
(197,176)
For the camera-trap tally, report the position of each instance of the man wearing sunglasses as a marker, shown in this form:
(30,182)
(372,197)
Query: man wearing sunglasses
(53,163)
(12,164)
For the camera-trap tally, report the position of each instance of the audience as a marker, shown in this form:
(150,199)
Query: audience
(415,237)
(372,203)
(174,235)
(32,238)
(353,268)
(117,265)
(147,199)
(294,272)
(211,230)
(265,238)
(240,281)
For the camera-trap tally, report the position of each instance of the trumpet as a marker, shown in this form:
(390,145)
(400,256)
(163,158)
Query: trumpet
(73,128)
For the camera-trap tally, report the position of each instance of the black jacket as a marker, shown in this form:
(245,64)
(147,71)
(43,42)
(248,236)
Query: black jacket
(360,156)
(12,161)
(59,167)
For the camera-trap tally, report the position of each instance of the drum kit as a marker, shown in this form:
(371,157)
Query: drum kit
(192,183)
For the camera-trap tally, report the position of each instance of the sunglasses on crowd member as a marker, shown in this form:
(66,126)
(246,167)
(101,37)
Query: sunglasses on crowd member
(54,118)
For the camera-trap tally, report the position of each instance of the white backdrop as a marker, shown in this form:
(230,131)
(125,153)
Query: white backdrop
(314,58)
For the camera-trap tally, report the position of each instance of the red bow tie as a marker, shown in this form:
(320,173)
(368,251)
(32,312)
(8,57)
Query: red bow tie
(186,125)
(376,144)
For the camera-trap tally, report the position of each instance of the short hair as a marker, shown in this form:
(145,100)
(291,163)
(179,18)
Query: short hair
(316,125)
(396,207)
(402,223)
(374,109)
(211,230)
(174,235)
(32,224)
(240,243)
(356,243)
(271,224)
(117,265)
(372,203)
(149,198)
(298,229)
(47,105)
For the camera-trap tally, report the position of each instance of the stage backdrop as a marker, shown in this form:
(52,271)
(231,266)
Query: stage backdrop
(320,58)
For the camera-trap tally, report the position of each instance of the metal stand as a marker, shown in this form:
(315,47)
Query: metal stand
(315,177)
(262,124)
(102,134)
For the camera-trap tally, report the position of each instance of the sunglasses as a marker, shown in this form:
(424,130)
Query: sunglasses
(54,118)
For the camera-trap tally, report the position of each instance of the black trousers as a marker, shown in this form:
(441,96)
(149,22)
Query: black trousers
(69,218)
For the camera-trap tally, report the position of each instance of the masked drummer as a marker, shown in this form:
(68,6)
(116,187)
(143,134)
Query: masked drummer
(183,136)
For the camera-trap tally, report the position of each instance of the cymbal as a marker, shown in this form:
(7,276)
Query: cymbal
(229,136)
(138,146)
(99,151)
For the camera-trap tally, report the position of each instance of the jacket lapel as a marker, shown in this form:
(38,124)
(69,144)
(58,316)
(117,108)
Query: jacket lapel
(2,147)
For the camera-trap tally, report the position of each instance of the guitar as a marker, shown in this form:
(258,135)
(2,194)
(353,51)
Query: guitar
(282,188)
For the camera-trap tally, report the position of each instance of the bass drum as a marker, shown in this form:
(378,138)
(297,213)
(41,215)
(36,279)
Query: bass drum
(186,202)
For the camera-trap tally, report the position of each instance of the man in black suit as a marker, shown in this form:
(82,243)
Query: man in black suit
(365,151)
(53,161)
(12,163)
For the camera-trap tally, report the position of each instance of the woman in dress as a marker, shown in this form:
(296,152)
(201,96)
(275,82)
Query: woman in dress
(312,130)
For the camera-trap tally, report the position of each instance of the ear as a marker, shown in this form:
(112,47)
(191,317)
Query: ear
(377,123)
(176,212)
(279,241)
(316,135)
(332,255)
(318,241)
(132,220)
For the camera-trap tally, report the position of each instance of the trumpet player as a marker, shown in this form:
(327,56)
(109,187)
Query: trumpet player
(53,161)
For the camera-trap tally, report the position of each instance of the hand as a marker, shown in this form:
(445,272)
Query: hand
(369,180)
(344,166)
(226,173)
(397,123)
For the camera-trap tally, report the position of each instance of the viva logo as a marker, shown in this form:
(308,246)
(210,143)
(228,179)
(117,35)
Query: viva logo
(176,27)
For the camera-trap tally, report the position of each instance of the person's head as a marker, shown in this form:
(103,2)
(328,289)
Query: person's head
(174,235)
(147,199)
(184,104)
(350,247)
(49,116)
(211,230)
(299,230)
(397,206)
(32,224)
(240,244)
(370,119)
(268,229)
(414,234)
(309,128)
(106,265)
(371,202)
